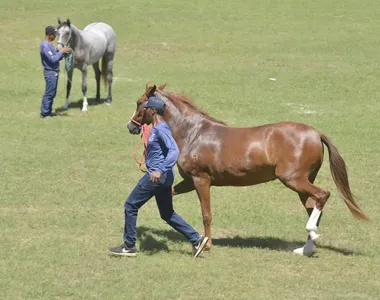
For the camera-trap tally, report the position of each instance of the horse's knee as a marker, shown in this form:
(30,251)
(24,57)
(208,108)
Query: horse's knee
(109,76)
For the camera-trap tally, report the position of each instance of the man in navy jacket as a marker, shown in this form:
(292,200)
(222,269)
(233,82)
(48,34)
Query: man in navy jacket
(50,61)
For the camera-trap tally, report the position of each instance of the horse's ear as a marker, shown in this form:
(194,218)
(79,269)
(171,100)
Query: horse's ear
(150,92)
(148,86)
(68,22)
(59,21)
(161,87)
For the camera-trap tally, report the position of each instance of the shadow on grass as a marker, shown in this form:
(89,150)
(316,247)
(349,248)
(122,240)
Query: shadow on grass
(150,245)
(79,104)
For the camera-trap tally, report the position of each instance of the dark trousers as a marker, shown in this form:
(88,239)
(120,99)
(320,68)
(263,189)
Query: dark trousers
(162,191)
(51,79)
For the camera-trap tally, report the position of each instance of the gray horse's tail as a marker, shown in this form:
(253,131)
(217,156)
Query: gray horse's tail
(104,71)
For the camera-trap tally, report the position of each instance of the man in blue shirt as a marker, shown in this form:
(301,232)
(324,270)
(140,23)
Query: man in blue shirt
(50,61)
(161,155)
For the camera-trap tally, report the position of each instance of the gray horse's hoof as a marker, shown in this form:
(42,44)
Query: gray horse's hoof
(108,101)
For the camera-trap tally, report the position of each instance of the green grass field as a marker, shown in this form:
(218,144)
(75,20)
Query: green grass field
(63,181)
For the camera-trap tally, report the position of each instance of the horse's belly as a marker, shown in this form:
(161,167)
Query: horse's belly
(243,178)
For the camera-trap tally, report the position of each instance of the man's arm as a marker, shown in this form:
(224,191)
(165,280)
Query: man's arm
(173,152)
(54,56)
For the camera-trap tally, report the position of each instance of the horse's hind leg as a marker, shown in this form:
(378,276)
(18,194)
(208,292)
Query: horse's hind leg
(107,69)
(97,78)
(309,204)
(109,79)
(308,192)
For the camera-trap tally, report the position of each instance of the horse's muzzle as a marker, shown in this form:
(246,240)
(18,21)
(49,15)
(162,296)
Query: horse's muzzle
(133,128)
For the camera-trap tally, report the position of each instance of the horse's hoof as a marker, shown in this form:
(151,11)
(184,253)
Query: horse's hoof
(65,107)
(307,250)
(84,109)
(108,101)
(304,252)
(208,246)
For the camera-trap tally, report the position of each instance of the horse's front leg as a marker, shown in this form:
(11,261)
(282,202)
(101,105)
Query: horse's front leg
(202,186)
(84,87)
(68,88)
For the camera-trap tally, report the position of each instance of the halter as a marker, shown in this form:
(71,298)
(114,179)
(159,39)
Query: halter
(69,58)
(69,38)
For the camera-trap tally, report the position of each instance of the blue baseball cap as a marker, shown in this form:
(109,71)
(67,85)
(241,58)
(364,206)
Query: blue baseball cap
(155,103)
(50,30)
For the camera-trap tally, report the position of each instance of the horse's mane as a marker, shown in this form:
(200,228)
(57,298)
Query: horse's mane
(187,101)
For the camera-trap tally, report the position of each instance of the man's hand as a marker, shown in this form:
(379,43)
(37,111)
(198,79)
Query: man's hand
(155,176)
(65,50)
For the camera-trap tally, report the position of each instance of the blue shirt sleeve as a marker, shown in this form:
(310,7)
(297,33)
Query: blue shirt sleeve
(54,57)
(173,152)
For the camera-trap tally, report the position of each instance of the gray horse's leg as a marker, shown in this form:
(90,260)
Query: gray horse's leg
(84,87)
(68,89)
(109,78)
(97,77)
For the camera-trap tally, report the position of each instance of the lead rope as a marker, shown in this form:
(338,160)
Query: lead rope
(69,58)
(144,137)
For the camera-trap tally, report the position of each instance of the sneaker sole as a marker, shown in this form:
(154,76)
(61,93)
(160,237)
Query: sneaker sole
(201,247)
(123,254)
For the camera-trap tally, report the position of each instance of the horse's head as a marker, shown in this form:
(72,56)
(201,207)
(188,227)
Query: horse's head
(142,115)
(64,33)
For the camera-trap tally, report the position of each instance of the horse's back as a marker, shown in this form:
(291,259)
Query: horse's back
(103,34)
(101,29)
(283,135)
(99,26)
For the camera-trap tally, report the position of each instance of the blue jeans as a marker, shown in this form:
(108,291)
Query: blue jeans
(51,78)
(145,190)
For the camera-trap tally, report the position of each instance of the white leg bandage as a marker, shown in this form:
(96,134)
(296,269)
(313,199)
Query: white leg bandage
(311,225)
(85,104)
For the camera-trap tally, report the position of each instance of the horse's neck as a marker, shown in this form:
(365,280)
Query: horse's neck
(76,37)
(183,124)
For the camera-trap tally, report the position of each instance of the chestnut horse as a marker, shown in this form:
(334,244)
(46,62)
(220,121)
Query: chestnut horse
(214,154)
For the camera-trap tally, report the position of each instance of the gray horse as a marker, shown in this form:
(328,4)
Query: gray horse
(97,41)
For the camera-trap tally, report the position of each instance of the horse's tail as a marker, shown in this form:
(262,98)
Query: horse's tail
(104,71)
(340,177)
